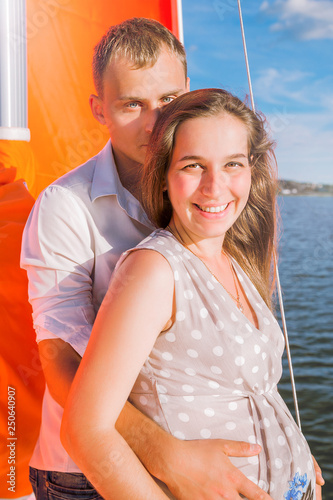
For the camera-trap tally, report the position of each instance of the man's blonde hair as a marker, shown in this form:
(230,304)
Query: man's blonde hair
(139,40)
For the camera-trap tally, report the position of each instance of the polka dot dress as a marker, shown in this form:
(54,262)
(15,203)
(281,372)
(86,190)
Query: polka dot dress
(214,375)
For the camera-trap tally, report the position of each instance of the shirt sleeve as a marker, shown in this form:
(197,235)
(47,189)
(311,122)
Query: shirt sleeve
(58,255)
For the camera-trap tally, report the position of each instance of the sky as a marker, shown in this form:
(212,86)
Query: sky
(290,51)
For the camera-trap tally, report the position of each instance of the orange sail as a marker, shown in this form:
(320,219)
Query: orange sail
(61,35)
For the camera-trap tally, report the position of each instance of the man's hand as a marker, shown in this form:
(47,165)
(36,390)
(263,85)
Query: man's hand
(319,479)
(202,470)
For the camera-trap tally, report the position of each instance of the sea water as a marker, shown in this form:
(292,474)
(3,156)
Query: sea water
(306,274)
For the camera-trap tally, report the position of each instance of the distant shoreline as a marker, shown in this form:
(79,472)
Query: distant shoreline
(293,188)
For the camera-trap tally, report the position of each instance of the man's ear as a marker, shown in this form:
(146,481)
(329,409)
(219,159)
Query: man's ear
(96,106)
(188,84)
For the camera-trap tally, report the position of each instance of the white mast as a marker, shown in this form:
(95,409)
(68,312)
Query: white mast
(13,71)
(180,21)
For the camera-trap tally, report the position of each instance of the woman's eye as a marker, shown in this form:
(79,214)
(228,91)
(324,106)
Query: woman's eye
(234,164)
(193,166)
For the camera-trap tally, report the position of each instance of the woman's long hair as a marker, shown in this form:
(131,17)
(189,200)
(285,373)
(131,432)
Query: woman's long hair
(252,238)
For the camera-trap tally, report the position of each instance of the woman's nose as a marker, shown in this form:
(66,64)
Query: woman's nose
(213,183)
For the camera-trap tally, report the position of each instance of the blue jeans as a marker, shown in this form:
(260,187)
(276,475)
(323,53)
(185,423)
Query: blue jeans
(52,485)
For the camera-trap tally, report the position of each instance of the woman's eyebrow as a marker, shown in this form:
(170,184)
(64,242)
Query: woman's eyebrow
(191,157)
(200,158)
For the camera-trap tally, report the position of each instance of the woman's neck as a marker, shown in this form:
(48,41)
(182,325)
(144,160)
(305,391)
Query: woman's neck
(207,249)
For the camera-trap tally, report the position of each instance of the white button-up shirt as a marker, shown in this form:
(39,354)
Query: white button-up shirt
(73,238)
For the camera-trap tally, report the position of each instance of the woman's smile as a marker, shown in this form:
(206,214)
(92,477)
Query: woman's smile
(213,209)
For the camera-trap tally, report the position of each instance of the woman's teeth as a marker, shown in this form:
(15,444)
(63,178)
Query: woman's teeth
(213,209)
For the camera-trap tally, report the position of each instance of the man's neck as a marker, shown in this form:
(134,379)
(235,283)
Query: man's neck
(130,174)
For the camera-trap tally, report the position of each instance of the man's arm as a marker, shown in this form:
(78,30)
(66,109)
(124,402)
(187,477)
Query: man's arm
(59,362)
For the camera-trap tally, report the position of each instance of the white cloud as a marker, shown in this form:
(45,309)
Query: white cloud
(274,86)
(304,146)
(304,19)
(304,139)
(294,88)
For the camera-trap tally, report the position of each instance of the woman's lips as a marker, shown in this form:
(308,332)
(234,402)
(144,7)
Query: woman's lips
(212,209)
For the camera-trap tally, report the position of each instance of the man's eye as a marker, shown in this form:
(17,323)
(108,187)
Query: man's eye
(133,105)
(167,100)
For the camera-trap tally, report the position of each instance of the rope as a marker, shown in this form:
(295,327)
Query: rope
(284,324)
(278,284)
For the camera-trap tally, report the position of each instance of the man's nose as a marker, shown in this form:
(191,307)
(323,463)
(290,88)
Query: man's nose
(150,119)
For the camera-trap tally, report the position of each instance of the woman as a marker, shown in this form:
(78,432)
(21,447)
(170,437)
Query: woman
(186,327)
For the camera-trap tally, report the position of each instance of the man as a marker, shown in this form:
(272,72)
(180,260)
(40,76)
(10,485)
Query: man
(75,235)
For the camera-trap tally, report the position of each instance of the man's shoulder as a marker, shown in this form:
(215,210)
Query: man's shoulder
(82,174)
(80,180)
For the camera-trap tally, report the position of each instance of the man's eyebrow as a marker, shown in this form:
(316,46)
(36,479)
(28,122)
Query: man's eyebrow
(173,92)
(137,98)
(130,98)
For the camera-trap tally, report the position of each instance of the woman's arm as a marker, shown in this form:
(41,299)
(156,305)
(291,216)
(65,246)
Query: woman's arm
(137,307)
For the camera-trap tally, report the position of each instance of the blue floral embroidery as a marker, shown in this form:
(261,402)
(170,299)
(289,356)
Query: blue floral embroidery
(297,487)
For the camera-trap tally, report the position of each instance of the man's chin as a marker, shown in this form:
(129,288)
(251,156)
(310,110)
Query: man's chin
(140,157)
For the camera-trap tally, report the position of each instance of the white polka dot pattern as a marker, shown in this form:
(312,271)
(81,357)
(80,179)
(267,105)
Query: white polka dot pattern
(218,350)
(196,334)
(188,294)
(213,375)
(190,371)
(187,388)
(180,316)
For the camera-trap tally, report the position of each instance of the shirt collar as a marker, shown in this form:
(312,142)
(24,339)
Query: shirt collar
(106,182)
(105,176)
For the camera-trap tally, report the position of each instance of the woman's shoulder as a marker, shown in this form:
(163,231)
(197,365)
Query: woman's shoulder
(157,239)
(157,257)
(164,242)
(152,259)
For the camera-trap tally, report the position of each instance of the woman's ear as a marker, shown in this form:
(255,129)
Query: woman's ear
(164,186)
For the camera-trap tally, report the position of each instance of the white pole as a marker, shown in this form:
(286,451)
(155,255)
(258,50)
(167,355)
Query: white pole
(13,71)
(180,21)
